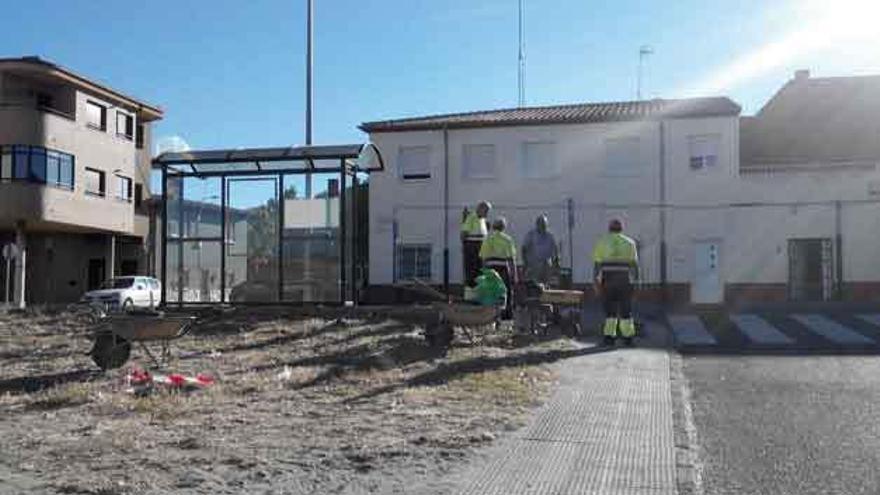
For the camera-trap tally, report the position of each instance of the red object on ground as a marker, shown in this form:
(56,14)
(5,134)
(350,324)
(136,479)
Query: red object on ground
(204,379)
(138,376)
(176,380)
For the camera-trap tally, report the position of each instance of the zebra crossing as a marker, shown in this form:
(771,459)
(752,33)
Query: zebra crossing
(792,330)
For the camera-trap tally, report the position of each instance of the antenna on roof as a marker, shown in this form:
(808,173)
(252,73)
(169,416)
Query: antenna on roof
(521,66)
(644,51)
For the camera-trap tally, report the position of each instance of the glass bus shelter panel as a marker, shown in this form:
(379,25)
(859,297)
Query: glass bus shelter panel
(252,216)
(200,271)
(311,239)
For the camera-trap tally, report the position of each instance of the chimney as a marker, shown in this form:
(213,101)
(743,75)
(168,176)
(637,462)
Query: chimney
(802,75)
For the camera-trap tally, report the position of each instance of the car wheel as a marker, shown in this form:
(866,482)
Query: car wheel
(127,305)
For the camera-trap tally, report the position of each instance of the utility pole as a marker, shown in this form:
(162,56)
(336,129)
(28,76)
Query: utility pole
(521,63)
(644,51)
(309,62)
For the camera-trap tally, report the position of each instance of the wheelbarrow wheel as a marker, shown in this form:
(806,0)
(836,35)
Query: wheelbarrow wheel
(440,335)
(109,351)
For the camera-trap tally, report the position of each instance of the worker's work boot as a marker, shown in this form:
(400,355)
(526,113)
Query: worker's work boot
(608,341)
(628,341)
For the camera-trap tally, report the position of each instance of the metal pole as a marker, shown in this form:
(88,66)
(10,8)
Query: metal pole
(838,238)
(343,245)
(446,210)
(163,270)
(8,276)
(663,255)
(309,62)
(223,227)
(521,71)
(644,51)
(307,249)
(279,254)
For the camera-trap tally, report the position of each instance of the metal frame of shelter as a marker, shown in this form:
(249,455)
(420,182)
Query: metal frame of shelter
(272,164)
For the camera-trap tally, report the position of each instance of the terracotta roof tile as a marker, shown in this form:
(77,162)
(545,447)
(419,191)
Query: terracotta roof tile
(564,114)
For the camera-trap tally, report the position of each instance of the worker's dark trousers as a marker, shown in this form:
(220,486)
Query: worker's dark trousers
(505,275)
(617,293)
(471,261)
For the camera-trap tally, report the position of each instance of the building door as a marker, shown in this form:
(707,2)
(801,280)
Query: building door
(707,287)
(810,269)
(96,273)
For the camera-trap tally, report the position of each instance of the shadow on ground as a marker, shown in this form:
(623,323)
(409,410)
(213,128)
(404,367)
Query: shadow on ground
(31,384)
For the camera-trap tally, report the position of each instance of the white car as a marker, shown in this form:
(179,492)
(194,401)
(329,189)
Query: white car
(123,293)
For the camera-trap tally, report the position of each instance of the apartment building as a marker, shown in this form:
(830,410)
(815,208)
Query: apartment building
(782,205)
(74,180)
(580,164)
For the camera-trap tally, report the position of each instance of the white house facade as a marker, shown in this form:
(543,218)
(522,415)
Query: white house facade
(712,225)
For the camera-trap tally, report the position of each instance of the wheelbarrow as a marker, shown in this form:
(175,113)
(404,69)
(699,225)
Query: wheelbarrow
(539,309)
(114,335)
(461,315)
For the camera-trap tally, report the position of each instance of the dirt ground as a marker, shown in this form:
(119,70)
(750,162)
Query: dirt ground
(300,405)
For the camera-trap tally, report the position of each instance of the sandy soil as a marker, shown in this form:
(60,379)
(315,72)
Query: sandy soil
(300,405)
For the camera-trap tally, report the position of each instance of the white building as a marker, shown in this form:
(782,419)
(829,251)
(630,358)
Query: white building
(778,223)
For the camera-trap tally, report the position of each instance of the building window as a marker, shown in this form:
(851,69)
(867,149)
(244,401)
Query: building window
(623,157)
(703,151)
(20,159)
(95,184)
(96,116)
(36,164)
(413,162)
(478,161)
(124,125)
(5,164)
(414,262)
(123,188)
(139,137)
(45,101)
(539,160)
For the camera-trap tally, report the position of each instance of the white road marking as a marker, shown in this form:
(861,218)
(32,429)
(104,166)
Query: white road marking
(689,330)
(831,330)
(759,330)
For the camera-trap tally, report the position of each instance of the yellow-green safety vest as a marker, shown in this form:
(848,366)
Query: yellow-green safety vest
(615,251)
(474,227)
(498,249)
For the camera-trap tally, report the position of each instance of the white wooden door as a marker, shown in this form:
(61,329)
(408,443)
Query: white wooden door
(707,287)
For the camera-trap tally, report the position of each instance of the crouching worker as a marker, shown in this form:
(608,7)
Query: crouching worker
(490,289)
(615,267)
(498,252)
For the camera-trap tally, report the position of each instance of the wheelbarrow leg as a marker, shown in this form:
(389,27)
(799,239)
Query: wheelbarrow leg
(156,363)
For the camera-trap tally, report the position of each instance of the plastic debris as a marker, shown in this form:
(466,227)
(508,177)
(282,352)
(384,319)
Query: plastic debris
(142,382)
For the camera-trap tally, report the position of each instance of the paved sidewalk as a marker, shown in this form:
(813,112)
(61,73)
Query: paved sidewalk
(608,429)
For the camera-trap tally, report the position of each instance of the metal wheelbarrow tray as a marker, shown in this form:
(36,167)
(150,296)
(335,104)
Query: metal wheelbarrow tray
(463,315)
(114,335)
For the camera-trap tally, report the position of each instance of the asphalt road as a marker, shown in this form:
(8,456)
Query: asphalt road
(788,424)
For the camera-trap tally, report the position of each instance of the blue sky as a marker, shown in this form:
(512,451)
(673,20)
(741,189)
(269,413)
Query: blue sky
(230,73)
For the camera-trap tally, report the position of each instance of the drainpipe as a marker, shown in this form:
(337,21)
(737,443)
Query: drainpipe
(663,267)
(446,210)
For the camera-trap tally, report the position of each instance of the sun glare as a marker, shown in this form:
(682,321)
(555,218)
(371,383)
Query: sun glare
(816,26)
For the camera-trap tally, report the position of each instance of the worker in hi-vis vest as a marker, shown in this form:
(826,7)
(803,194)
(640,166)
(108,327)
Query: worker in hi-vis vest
(473,232)
(615,268)
(498,252)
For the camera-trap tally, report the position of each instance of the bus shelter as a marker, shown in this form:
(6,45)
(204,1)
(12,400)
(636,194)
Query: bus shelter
(265,226)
